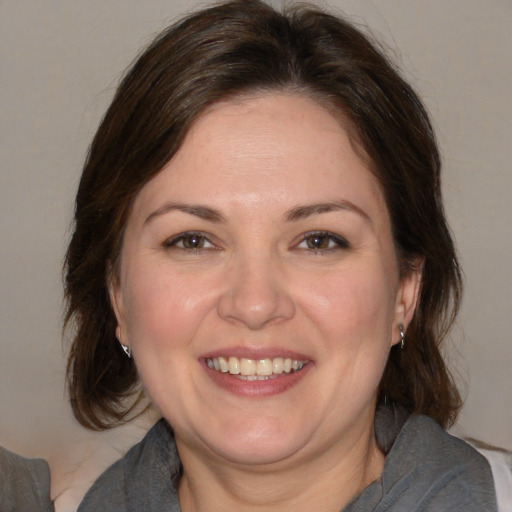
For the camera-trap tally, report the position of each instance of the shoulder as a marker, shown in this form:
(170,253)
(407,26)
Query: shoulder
(24,483)
(429,467)
(141,480)
(500,461)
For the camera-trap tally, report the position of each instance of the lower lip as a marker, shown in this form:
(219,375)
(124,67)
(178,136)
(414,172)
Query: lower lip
(257,388)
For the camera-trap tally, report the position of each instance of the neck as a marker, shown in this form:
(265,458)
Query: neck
(324,483)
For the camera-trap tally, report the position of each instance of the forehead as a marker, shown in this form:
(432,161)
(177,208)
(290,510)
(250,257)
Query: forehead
(265,148)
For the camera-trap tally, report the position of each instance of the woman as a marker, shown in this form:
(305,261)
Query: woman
(260,238)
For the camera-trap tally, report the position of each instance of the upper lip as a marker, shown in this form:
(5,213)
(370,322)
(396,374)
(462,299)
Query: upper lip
(256,353)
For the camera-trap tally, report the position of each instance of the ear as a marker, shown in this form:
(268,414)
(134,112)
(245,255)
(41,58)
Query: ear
(407,297)
(116,300)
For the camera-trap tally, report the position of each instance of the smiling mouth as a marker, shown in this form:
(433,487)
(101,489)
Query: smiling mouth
(255,369)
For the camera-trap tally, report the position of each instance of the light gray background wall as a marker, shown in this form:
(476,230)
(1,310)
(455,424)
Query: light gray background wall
(60,62)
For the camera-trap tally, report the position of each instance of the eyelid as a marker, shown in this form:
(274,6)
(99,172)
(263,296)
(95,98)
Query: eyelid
(173,241)
(341,242)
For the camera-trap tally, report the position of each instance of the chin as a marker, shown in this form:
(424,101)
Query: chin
(255,442)
(259,452)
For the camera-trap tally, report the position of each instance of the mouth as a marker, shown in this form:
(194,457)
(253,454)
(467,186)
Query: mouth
(255,369)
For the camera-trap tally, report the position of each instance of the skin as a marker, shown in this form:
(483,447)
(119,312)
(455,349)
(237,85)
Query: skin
(255,284)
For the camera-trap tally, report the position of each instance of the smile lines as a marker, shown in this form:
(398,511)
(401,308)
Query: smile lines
(255,369)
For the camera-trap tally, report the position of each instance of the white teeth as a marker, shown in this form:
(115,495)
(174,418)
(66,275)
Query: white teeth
(253,377)
(247,366)
(223,364)
(278,365)
(264,367)
(252,369)
(234,365)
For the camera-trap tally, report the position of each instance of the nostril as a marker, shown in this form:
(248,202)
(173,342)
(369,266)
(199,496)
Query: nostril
(255,302)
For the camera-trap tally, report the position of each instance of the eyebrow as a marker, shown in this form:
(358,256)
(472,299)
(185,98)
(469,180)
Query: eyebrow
(302,212)
(295,214)
(203,212)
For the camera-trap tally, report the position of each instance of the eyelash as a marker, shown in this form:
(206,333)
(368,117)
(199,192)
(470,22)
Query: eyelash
(189,235)
(334,242)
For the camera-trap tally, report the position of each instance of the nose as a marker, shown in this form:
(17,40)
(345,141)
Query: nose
(256,294)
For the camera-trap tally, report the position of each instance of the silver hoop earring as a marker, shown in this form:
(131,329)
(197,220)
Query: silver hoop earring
(127,350)
(402,336)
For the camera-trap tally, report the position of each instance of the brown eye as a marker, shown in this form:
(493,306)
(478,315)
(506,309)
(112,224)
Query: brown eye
(316,242)
(322,241)
(189,242)
(193,241)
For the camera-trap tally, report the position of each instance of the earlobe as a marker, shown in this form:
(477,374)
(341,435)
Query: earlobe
(407,296)
(126,348)
(116,301)
(114,292)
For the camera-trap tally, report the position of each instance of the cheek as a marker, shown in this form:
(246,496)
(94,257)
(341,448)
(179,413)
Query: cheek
(351,304)
(354,318)
(163,309)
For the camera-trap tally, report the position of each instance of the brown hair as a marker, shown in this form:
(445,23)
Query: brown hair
(228,50)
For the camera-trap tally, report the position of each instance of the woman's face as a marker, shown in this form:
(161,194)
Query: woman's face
(258,285)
